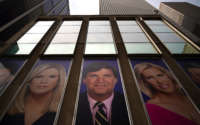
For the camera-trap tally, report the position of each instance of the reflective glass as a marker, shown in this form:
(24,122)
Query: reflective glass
(27,42)
(130,29)
(175,43)
(72,23)
(99,29)
(69,29)
(126,23)
(30,38)
(169,37)
(102,23)
(25,48)
(38,30)
(134,37)
(100,49)
(60,49)
(154,22)
(99,37)
(161,29)
(44,23)
(65,38)
(180,48)
(133,48)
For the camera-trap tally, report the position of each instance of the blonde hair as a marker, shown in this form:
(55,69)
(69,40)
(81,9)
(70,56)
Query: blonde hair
(144,86)
(18,106)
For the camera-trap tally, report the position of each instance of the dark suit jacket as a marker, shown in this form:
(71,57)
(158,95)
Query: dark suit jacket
(119,115)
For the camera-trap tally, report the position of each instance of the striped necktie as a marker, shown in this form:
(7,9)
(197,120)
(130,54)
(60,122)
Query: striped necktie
(100,117)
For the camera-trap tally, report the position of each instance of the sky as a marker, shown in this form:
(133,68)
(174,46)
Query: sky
(91,7)
(84,7)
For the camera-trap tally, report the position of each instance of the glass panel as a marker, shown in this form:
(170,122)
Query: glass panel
(99,37)
(8,69)
(72,23)
(65,38)
(133,48)
(69,29)
(100,49)
(60,49)
(44,23)
(154,22)
(178,45)
(192,68)
(126,23)
(99,29)
(164,97)
(27,42)
(25,48)
(161,28)
(96,23)
(134,37)
(129,29)
(101,85)
(30,38)
(42,92)
(169,37)
(180,48)
(38,29)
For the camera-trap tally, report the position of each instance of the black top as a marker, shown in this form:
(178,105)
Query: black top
(18,119)
(119,115)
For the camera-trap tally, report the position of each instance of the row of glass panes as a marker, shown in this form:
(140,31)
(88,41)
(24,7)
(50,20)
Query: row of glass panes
(100,39)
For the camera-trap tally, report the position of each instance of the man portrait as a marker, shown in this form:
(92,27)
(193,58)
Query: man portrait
(193,69)
(101,104)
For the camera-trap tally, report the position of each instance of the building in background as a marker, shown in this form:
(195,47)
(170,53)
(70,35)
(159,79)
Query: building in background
(125,7)
(184,14)
(25,11)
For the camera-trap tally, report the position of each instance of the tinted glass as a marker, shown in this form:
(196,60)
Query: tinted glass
(170,39)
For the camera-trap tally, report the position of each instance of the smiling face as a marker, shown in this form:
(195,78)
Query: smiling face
(158,80)
(100,83)
(44,82)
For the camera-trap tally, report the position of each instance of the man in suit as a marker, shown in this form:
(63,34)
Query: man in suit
(100,79)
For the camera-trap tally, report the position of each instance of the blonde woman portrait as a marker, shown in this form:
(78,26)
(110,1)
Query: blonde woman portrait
(38,101)
(167,105)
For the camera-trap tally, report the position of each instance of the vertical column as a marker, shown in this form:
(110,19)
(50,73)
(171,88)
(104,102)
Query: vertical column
(66,115)
(136,105)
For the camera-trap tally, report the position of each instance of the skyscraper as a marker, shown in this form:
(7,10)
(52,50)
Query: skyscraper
(125,7)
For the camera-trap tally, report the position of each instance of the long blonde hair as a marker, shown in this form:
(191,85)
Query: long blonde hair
(145,87)
(18,106)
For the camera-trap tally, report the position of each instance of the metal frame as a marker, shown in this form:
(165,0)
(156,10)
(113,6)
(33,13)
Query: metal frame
(67,111)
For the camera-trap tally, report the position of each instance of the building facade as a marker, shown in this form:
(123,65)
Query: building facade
(127,7)
(15,14)
(124,42)
(184,14)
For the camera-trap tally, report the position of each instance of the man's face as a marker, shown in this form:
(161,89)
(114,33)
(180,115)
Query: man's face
(100,83)
(195,74)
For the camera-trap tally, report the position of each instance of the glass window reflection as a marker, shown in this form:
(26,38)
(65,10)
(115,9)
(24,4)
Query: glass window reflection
(170,39)
(65,39)
(134,38)
(27,42)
